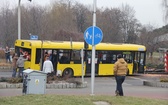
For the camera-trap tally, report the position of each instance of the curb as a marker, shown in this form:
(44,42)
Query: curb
(4,85)
(155,84)
(5,69)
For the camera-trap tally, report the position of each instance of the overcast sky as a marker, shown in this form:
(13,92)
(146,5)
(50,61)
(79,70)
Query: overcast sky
(147,11)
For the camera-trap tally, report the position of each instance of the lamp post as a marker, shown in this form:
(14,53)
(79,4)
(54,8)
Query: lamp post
(19,20)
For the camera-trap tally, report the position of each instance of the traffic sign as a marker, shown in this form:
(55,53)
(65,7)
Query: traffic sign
(88,35)
(33,37)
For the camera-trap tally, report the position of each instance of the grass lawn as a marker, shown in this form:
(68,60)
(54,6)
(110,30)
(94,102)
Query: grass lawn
(77,100)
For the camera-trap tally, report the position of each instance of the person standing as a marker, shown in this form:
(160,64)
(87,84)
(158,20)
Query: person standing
(54,61)
(120,71)
(48,66)
(7,54)
(20,65)
(14,67)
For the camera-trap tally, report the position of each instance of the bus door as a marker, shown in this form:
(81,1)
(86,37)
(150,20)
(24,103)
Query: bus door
(52,54)
(89,63)
(139,61)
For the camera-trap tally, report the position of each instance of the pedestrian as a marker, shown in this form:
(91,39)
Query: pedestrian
(14,67)
(7,54)
(20,65)
(120,71)
(54,61)
(48,66)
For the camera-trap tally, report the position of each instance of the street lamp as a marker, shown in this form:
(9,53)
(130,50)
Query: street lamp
(19,20)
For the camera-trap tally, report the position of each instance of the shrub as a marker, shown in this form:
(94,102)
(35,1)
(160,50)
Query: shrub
(15,80)
(156,66)
(3,79)
(11,80)
(163,79)
(150,65)
(160,66)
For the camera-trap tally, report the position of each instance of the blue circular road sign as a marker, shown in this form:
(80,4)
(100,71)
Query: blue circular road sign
(88,35)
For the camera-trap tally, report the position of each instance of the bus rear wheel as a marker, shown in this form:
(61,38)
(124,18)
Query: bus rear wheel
(68,73)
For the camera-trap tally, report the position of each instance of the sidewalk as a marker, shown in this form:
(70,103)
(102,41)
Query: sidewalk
(129,90)
(155,81)
(103,86)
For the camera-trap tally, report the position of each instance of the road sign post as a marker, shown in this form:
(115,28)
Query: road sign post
(93,36)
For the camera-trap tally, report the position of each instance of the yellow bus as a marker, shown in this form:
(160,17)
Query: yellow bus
(66,56)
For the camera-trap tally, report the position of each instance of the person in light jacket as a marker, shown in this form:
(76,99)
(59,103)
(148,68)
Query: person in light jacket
(120,71)
(14,66)
(48,66)
(20,65)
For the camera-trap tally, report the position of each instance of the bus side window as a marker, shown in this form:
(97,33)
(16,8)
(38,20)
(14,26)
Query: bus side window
(64,59)
(114,58)
(104,58)
(100,56)
(128,58)
(75,56)
(29,57)
(108,60)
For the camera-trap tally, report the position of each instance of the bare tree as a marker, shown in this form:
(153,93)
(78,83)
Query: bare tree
(32,21)
(80,14)
(64,19)
(147,36)
(165,10)
(61,17)
(129,24)
(108,20)
(8,26)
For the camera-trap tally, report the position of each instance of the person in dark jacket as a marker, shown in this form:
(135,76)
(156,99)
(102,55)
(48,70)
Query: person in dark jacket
(120,71)
(7,54)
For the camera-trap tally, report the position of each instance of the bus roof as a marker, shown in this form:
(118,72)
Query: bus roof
(77,45)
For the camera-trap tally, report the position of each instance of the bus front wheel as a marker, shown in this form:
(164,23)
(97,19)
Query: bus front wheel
(67,73)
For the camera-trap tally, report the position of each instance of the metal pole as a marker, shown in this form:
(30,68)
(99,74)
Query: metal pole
(82,66)
(41,60)
(19,21)
(93,49)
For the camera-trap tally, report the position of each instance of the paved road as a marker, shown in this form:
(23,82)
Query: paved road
(133,86)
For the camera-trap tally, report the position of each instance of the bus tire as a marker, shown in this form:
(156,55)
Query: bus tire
(68,72)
